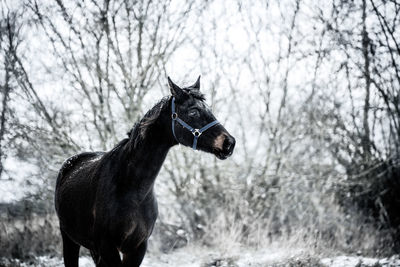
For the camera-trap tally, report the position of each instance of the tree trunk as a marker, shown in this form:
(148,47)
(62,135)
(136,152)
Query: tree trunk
(365,49)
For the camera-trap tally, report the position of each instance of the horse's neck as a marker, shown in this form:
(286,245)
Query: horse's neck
(144,161)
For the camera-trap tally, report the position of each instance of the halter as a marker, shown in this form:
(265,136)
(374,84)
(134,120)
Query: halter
(196,132)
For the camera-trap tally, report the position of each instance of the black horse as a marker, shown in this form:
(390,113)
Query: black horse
(105,200)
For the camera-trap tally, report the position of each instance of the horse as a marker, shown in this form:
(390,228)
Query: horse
(105,201)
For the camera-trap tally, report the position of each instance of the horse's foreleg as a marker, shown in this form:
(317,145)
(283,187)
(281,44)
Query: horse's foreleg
(97,259)
(108,255)
(135,258)
(70,251)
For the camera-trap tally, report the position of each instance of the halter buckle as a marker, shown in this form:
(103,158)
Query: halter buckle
(196,132)
(174,116)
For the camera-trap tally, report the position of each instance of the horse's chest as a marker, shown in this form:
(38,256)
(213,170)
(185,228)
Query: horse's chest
(139,230)
(139,225)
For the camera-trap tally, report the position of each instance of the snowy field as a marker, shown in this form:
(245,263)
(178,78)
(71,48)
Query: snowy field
(197,257)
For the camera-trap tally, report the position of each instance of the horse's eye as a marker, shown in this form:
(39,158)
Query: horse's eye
(194,113)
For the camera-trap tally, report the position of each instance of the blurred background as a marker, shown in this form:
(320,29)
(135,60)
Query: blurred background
(310,89)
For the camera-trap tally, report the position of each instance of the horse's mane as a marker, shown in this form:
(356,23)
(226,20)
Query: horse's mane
(195,93)
(140,129)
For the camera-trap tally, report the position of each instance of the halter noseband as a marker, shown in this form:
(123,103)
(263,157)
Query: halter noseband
(196,132)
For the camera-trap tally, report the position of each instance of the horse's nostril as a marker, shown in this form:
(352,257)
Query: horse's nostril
(229,144)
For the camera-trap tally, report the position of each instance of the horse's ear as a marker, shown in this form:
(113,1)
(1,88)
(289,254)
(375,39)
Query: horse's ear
(196,85)
(176,91)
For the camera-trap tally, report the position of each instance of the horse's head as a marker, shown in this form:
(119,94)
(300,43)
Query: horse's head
(194,125)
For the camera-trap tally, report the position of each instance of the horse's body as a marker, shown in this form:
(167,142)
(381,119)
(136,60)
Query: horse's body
(105,200)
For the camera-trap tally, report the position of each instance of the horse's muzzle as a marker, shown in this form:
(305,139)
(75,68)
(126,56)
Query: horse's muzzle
(227,147)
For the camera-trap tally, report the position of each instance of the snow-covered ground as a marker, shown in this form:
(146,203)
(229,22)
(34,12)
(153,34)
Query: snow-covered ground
(350,261)
(204,257)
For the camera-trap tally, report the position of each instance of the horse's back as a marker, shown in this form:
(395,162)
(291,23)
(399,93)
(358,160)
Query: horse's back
(75,192)
(74,163)
(76,170)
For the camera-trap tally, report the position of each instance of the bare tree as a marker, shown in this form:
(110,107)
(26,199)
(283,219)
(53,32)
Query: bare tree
(7,41)
(111,52)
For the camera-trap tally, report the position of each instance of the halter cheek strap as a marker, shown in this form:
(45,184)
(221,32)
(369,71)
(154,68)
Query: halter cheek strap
(196,132)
